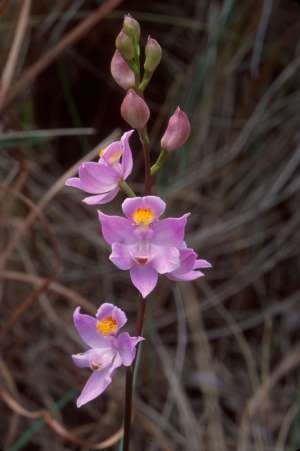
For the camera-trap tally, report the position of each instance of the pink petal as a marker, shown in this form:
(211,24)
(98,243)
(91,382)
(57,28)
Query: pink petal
(121,257)
(127,162)
(97,178)
(202,264)
(154,203)
(144,278)
(127,347)
(110,310)
(115,229)
(111,151)
(166,260)
(170,231)
(74,182)
(86,327)
(101,199)
(187,261)
(95,385)
(188,264)
(188,276)
(82,360)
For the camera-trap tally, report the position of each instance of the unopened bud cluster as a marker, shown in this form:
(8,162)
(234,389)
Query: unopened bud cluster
(126,70)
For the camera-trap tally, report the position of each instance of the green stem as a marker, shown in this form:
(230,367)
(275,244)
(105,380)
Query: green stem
(135,66)
(126,188)
(144,138)
(159,162)
(145,81)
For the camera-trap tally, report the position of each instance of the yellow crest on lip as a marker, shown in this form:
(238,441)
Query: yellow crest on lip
(107,326)
(101,151)
(114,157)
(143,216)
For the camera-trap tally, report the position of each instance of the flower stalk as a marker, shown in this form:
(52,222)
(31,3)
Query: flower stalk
(162,158)
(126,188)
(144,138)
(141,242)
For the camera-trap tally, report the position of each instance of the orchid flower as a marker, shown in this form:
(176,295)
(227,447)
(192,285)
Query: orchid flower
(102,178)
(144,244)
(108,349)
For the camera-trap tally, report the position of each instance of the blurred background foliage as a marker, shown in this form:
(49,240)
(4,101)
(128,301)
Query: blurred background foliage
(220,368)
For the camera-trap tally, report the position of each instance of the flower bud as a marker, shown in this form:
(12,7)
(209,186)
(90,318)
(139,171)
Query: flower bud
(125,46)
(121,72)
(132,28)
(177,131)
(134,110)
(153,55)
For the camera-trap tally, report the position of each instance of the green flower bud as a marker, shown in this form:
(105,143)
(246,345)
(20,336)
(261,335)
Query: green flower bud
(125,46)
(132,28)
(153,54)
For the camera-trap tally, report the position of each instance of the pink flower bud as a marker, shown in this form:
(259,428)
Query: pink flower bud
(125,46)
(134,110)
(177,131)
(121,72)
(153,55)
(131,27)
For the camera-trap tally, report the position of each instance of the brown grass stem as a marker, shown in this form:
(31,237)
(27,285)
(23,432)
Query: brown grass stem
(68,40)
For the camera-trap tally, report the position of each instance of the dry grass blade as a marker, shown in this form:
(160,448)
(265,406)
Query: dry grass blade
(3,5)
(205,366)
(154,430)
(187,417)
(289,363)
(56,426)
(70,39)
(34,214)
(10,66)
(56,287)
(26,304)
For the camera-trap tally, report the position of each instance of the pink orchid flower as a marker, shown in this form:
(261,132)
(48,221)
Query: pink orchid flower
(146,245)
(108,349)
(102,178)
